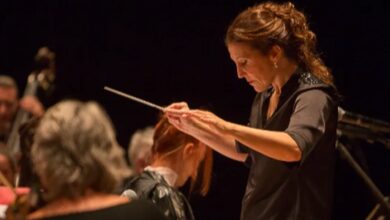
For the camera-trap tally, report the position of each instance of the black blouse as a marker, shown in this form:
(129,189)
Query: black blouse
(153,187)
(307,111)
(137,209)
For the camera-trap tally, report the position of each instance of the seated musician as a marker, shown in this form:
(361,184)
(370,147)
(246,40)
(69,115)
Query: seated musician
(176,158)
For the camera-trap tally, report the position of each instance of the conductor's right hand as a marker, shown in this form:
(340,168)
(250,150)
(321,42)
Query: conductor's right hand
(198,123)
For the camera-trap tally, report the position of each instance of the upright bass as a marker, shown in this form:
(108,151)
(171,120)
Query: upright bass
(41,77)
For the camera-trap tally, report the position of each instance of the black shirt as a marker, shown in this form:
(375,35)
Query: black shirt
(152,186)
(307,111)
(137,209)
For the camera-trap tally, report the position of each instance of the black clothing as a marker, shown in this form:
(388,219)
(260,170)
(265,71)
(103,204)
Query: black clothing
(152,186)
(307,111)
(3,138)
(137,209)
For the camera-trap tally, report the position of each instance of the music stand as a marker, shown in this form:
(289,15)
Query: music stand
(351,131)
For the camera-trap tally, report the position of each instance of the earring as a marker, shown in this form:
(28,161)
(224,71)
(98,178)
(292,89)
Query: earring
(275,65)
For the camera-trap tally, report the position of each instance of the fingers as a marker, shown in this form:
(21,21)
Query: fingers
(178,106)
(174,121)
(176,117)
(202,115)
(178,121)
(177,113)
(187,114)
(182,117)
(178,109)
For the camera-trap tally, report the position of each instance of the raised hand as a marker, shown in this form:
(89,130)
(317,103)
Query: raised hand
(194,122)
(176,113)
(32,105)
(209,119)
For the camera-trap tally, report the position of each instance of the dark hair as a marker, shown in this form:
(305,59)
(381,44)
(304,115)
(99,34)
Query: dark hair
(267,24)
(168,139)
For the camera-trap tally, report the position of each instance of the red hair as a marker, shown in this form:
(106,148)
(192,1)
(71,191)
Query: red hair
(168,139)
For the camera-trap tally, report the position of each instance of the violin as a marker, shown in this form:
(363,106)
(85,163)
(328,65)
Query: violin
(41,77)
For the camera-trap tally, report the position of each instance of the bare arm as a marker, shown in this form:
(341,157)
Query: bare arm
(275,144)
(221,135)
(222,143)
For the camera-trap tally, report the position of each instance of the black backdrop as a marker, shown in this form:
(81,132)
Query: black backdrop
(167,51)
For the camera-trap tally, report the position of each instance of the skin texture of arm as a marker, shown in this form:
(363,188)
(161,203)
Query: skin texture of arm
(275,144)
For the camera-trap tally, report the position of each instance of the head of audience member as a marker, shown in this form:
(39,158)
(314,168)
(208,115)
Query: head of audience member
(7,165)
(8,103)
(75,152)
(139,150)
(188,157)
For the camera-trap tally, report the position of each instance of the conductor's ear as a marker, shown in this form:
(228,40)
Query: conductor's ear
(275,53)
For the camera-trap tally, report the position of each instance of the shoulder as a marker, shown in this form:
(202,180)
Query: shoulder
(315,96)
(149,185)
(311,88)
(143,180)
(308,81)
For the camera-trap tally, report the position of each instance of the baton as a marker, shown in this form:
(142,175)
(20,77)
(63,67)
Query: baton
(139,100)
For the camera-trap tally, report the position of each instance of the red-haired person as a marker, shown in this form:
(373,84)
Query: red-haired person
(176,158)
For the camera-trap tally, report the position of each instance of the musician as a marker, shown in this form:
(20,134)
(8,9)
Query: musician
(176,158)
(80,165)
(139,149)
(289,143)
(9,105)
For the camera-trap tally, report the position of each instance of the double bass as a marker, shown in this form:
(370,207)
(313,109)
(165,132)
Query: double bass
(41,77)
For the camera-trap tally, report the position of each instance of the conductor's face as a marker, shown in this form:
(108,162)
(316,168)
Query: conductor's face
(256,68)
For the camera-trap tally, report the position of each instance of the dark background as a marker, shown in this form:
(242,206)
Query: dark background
(167,51)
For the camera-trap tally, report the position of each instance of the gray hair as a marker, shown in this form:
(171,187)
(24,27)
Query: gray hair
(8,82)
(75,149)
(140,144)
